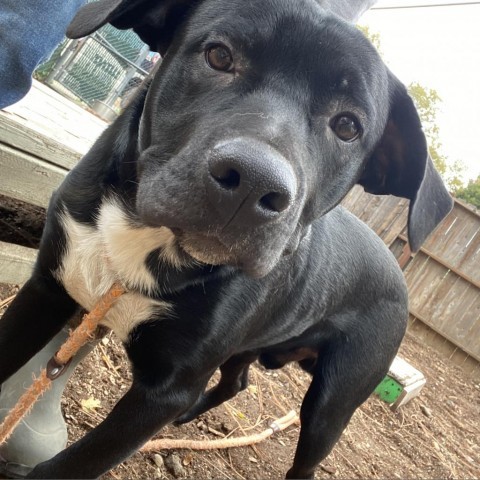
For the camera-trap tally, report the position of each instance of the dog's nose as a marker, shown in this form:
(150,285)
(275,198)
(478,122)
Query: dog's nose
(249,182)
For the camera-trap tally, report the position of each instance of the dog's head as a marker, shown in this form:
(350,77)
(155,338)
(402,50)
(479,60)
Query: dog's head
(260,119)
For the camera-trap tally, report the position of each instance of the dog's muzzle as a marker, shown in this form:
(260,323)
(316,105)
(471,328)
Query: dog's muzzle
(237,204)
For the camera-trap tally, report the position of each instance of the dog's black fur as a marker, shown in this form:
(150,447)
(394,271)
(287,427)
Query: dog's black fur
(260,119)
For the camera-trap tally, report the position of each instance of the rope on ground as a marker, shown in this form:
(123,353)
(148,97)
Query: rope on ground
(276,426)
(59,361)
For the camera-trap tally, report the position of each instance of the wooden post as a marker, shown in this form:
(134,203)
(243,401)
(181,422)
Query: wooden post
(405,256)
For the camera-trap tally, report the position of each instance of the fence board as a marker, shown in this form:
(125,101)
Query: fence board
(464,236)
(443,262)
(440,298)
(470,261)
(448,307)
(443,278)
(356,201)
(470,234)
(421,287)
(386,215)
(443,231)
(415,270)
(383,219)
(396,247)
(398,225)
(424,291)
(458,326)
(474,335)
(454,241)
(442,239)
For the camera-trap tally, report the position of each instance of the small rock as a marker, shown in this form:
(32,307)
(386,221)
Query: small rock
(158,459)
(226,427)
(253,459)
(187,459)
(174,466)
(426,411)
(201,425)
(328,469)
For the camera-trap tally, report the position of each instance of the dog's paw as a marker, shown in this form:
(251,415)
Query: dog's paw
(185,418)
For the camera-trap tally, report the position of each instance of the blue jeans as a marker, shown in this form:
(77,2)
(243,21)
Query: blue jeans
(29,32)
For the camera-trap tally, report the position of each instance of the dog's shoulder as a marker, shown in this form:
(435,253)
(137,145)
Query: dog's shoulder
(350,253)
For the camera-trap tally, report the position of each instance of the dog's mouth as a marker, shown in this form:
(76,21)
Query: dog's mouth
(209,249)
(204,248)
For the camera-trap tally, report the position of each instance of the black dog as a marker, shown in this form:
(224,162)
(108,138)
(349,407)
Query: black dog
(213,199)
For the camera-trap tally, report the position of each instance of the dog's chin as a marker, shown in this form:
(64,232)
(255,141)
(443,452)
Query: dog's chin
(211,251)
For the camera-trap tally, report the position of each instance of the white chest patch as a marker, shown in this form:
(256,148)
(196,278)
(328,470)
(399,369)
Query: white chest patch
(114,251)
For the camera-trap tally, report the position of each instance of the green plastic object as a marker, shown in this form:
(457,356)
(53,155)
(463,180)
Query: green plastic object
(389,390)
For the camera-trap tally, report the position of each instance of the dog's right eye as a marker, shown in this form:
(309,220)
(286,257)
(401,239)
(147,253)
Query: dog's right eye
(219,57)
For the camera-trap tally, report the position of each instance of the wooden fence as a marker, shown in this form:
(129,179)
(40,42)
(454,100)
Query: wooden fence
(443,278)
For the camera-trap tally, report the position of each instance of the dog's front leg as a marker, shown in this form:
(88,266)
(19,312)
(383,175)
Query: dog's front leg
(234,379)
(38,312)
(348,368)
(143,410)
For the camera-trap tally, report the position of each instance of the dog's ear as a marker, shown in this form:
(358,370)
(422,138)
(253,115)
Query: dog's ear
(155,21)
(400,165)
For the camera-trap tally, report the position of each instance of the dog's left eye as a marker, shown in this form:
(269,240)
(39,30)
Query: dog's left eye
(346,127)
(219,57)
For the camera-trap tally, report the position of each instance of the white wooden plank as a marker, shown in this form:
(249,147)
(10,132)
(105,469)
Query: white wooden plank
(404,373)
(23,138)
(408,393)
(16,263)
(409,377)
(28,178)
(57,118)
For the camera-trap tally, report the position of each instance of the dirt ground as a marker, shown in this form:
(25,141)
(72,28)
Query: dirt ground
(434,436)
